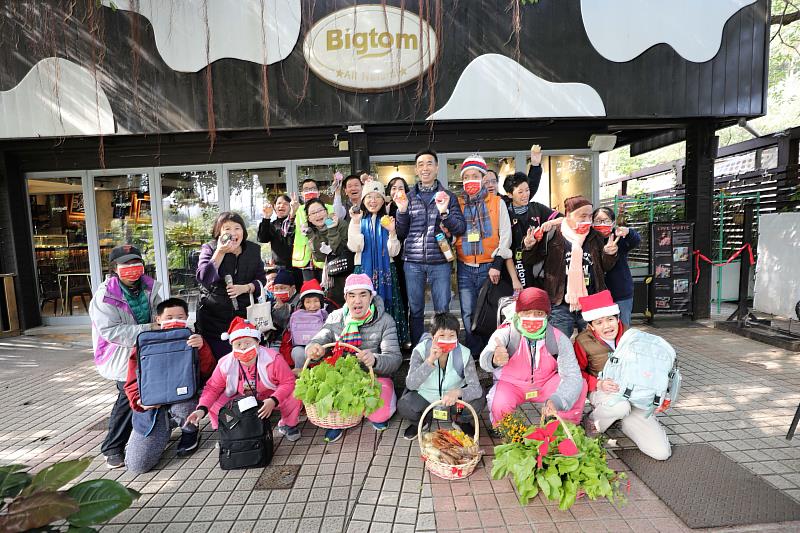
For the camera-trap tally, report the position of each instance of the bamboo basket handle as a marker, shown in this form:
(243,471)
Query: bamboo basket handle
(438,402)
(345,345)
(563,425)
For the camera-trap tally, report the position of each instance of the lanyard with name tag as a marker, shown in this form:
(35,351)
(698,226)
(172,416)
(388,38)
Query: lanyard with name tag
(248,402)
(438,413)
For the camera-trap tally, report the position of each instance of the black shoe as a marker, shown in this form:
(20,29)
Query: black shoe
(116,460)
(190,441)
(410,432)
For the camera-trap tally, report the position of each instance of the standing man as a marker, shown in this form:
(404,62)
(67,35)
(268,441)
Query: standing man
(485,246)
(427,211)
(351,186)
(301,251)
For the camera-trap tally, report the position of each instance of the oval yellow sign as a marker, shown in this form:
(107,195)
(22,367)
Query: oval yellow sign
(370,48)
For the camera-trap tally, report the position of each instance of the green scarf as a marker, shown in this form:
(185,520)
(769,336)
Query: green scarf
(537,335)
(350,332)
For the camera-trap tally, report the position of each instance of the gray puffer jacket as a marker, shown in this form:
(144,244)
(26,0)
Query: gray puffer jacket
(379,335)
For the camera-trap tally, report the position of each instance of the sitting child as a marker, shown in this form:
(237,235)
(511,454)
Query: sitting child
(250,369)
(307,320)
(593,347)
(433,375)
(285,298)
(532,361)
(152,424)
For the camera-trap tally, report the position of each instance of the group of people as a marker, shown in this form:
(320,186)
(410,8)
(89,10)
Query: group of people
(356,271)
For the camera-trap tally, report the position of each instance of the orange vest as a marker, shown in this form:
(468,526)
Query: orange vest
(491,242)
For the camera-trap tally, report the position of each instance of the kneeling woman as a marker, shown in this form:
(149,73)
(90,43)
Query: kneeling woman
(592,348)
(533,362)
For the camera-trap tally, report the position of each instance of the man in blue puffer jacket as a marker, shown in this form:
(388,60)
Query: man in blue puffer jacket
(428,210)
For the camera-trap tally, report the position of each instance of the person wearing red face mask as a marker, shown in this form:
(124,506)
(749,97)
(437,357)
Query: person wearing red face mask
(145,446)
(533,362)
(441,369)
(483,248)
(250,370)
(618,280)
(576,258)
(122,307)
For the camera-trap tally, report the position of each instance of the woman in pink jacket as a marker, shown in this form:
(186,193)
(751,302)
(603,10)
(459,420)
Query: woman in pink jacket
(251,369)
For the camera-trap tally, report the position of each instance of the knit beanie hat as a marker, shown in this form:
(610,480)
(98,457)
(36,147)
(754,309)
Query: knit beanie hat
(370,187)
(284,277)
(574,203)
(533,298)
(474,161)
(358,282)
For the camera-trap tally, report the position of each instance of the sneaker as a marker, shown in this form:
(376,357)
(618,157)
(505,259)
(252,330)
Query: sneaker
(332,435)
(190,441)
(302,417)
(466,427)
(116,460)
(290,432)
(411,432)
(380,426)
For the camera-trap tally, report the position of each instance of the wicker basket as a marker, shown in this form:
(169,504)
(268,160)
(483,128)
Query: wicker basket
(334,420)
(445,470)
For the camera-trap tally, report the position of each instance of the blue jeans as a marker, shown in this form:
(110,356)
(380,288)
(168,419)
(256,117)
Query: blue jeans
(470,280)
(417,276)
(565,320)
(625,310)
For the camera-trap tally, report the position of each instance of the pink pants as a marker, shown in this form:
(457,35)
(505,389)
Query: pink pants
(389,402)
(504,397)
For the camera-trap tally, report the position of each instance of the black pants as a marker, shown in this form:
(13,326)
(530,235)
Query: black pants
(412,404)
(119,425)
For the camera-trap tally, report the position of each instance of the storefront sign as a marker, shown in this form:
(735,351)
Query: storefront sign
(671,246)
(370,48)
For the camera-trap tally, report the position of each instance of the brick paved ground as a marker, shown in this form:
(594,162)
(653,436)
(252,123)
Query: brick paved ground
(739,396)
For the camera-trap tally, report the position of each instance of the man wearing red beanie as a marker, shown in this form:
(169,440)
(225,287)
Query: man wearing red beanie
(533,362)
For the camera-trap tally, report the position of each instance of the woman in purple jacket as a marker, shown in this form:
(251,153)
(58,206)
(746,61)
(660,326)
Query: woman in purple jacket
(229,270)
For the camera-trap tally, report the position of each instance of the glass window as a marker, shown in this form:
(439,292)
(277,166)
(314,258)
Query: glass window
(250,191)
(190,203)
(503,166)
(124,216)
(385,171)
(59,239)
(323,175)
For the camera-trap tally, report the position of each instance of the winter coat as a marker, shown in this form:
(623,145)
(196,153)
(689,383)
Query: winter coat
(419,225)
(592,354)
(619,280)
(272,232)
(114,329)
(553,252)
(379,335)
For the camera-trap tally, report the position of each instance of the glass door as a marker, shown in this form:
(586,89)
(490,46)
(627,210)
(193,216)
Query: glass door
(321,171)
(251,189)
(189,201)
(61,250)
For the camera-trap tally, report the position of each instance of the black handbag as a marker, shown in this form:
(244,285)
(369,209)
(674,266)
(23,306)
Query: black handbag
(245,440)
(341,265)
(484,319)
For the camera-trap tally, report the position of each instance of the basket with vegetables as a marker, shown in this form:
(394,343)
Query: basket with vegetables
(338,392)
(557,459)
(449,454)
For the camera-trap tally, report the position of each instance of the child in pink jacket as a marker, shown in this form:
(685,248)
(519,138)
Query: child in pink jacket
(251,369)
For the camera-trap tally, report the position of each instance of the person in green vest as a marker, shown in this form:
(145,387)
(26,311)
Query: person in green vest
(441,369)
(301,251)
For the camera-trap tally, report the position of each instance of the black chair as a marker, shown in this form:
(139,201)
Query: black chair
(48,288)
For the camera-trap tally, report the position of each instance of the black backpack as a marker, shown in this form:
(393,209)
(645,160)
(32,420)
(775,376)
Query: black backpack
(245,440)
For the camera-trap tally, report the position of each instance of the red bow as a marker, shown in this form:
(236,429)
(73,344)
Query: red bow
(698,256)
(457,471)
(545,434)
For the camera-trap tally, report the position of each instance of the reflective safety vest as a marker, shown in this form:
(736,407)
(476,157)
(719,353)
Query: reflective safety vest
(301,250)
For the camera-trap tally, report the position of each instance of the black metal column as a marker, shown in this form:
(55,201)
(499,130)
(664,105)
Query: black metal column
(16,242)
(701,149)
(359,153)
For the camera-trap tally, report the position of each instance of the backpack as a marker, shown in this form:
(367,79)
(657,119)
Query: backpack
(245,440)
(167,369)
(550,341)
(645,368)
(484,320)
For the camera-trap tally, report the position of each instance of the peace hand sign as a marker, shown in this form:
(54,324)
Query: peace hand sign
(294,205)
(611,246)
(530,238)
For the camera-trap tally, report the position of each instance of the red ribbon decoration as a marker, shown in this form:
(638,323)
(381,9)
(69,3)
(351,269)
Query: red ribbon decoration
(698,256)
(457,471)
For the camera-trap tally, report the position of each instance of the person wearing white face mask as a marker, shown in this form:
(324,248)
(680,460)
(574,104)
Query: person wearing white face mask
(121,308)
(576,258)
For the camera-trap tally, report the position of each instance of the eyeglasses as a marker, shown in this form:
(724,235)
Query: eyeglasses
(317,212)
(490,182)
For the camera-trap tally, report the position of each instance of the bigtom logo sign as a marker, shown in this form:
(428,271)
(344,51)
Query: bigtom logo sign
(370,48)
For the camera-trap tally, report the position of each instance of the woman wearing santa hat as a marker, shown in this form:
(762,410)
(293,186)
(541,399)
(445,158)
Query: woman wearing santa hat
(533,362)
(593,347)
(576,259)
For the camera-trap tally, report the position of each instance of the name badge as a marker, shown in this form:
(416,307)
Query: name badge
(531,394)
(247,403)
(473,236)
(586,280)
(180,391)
(440,414)
(518,255)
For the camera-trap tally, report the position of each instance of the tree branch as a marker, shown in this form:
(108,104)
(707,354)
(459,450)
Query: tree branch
(784,19)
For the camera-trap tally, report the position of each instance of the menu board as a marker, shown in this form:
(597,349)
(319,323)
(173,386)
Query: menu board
(671,246)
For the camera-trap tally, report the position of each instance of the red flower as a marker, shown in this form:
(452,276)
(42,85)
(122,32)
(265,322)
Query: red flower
(545,435)
(567,447)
